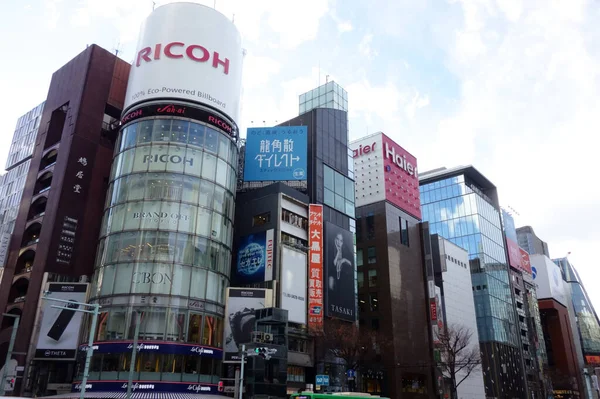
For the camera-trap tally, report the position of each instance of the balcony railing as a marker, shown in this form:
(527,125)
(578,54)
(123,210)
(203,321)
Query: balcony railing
(31,242)
(39,215)
(49,166)
(43,190)
(19,299)
(25,270)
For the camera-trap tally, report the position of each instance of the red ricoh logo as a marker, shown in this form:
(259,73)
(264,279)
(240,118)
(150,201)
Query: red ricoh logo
(194,52)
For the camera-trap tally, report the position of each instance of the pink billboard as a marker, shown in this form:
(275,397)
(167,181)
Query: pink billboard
(514,253)
(401,178)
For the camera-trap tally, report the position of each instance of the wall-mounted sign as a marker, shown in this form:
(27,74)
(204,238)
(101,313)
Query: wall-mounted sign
(315,267)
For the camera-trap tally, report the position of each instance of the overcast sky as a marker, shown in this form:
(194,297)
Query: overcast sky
(510,86)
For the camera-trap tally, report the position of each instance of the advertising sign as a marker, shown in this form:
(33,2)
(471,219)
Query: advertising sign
(59,331)
(188,52)
(147,386)
(525,261)
(276,153)
(240,317)
(401,177)
(315,267)
(339,263)
(548,279)
(293,284)
(514,253)
(255,258)
(161,347)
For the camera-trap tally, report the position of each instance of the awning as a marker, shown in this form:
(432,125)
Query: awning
(135,395)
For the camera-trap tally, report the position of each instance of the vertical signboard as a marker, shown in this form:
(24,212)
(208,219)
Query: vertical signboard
(240,317)
(276,153)
(59,331)
(293,284)
(255,258)
(315,267)
(525,262)
(339,258)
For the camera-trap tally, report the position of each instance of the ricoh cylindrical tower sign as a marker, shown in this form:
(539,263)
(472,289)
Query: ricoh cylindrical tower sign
(188,52)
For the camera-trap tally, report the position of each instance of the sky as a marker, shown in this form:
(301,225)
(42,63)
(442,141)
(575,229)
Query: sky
(510,86)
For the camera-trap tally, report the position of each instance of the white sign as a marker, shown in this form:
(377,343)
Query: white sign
(293,284)
(188,52)
(548,279)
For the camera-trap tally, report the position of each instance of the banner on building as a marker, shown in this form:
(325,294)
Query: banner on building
(339,258)
(315,267)
(293,284)
(255,258)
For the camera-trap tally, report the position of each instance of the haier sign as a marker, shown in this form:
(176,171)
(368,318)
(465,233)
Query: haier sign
(276,154)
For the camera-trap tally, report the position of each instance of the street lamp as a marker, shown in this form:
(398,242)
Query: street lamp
(9,354)
(95,309)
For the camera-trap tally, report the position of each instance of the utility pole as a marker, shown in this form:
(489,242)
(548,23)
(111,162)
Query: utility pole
(242,370)
(11,346)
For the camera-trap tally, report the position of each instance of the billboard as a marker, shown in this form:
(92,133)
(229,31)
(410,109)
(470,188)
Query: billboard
(315,267)
(255,258)
(339,264)
(525,261)
(188,52)
(514,253)
(548,279)
(240,317)
(59,328)
(276,153)
(293,284)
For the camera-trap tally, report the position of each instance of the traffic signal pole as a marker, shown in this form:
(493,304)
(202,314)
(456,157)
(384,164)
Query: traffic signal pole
(242,370)
(11,346)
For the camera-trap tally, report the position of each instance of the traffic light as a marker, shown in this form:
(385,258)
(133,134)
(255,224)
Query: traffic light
(10,383)
(263,352)
(220,387)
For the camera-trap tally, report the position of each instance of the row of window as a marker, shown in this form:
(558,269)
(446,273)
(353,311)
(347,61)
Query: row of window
(295,374)
(178,131)
(454,260)
(338,191)
(371,276)
(171,187)
(373,304)
(294,219)
(161,324)
(159,279)
(165,247)
(178,159)
(371,256)
(172,216)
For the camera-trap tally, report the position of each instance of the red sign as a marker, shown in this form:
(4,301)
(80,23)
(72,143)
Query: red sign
(525,262)
(514,253)
(401,178)
(433,310)
(592,359)
(315,267)
(194,52)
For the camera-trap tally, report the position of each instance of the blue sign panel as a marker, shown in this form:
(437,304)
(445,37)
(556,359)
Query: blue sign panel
(251,259)
(147,386)
(276,153)
(322,380)
(156,347)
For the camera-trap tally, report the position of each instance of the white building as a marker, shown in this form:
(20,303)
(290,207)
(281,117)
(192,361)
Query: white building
(453,276)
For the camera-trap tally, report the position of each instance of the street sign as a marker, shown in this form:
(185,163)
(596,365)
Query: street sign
(322,380)
(351,374)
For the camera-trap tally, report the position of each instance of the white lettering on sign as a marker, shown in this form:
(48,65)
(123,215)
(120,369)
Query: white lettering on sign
(362,150)
(399,160)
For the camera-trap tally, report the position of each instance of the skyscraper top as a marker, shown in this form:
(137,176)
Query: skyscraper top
(329,95)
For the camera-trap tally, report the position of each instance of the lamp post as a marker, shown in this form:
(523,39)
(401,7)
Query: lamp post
(95,309)
(11,346)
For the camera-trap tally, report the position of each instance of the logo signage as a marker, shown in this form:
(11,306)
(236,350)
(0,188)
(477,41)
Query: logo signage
(315,267)
(525,261)
(363,149)
(433,310)
(179,50)
(119,386)
(399,160)
(159,347)
(187,111)
(322,380)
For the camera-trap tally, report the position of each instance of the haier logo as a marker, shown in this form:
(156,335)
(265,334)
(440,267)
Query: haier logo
(175,50)
(362,150)
(400,160)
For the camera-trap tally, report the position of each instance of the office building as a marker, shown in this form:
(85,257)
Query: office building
(162,265)
(563,348)
(392,293)
(462,206)
(452,306)
(60,213)
(310,154)
(531,243)
(17,167)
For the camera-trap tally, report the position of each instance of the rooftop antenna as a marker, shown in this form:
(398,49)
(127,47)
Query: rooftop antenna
(117,49)
(215,4)
(153,5)
(233,19)
(319,83)
(326,78)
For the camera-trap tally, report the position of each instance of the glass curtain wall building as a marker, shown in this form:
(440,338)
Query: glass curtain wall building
(462,206)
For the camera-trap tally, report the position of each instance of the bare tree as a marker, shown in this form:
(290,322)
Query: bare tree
(460,354)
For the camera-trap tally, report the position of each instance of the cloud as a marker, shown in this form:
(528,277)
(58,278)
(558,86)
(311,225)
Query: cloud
(364,47)
(259,70)
(344,26)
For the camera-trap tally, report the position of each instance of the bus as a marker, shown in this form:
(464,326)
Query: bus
(328,395)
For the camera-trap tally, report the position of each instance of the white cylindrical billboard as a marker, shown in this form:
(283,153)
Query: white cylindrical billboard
(188,52)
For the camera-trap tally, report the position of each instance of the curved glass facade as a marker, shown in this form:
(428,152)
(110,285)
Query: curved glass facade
(165,250)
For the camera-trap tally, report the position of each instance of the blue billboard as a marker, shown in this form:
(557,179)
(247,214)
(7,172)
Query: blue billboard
(276,153)
(255,258)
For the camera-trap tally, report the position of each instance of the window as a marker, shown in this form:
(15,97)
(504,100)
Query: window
(261,219)
(362,304)
(371,255)
(372,278)
(297,345)
(295,374)
(338,191)
(374,302)
(361,280)
(404,232)
(359,257)
(294,219)
(370,227)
